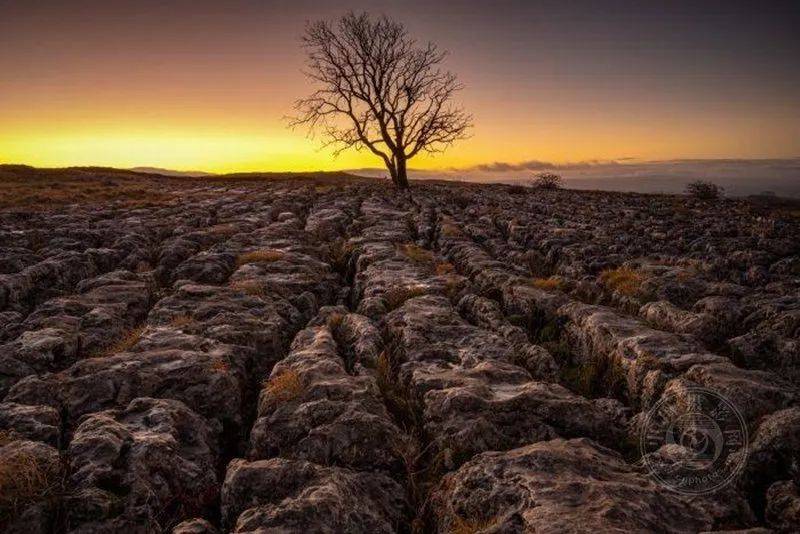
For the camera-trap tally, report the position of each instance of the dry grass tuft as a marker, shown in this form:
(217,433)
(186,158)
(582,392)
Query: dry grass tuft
(220,366)
(260,256)
(550,283)
(623,280)
(417,254)
(224,229)
(283,387)
(383,370)
(7,436)
(445,267)
(396,296)
(468,526)
(125,343)
(333,322)
(338,253)
(250,287)
(143,267)
(25,479)
(182,321)
(453,286)
(451,230)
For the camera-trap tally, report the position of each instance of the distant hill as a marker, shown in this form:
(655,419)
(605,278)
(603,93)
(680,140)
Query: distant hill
(169,172)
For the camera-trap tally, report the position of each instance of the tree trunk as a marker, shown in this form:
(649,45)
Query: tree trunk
(392,172)
(401,179)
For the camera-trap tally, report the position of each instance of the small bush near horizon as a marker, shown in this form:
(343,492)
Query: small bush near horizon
(704,190)
(547,180)
(623,280)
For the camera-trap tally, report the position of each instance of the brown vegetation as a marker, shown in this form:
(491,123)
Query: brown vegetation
(444,267)
(551,283)
(260,256)
(43,189)
(250,287)
(417,254)
(7,436)
(283,387)
(623,280)
(182,321)
(25,479)
(396,296)
(123,344)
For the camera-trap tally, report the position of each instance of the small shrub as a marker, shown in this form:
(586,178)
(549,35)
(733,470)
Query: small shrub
(704,190)
(417,254)
(260,256)
(516,190)
(283,387)
(396,296)
(547,180)
(552,282)
(623,280)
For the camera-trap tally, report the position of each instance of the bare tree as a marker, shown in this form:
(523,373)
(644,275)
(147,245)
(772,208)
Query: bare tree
(379,90)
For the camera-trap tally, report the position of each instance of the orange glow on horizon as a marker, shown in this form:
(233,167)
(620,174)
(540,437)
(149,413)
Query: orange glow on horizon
(208,89)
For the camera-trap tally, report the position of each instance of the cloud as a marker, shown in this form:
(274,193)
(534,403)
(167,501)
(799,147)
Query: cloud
(538,165)
(738,176)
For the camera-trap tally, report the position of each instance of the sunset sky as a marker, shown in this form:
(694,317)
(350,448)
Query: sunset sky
(204,85)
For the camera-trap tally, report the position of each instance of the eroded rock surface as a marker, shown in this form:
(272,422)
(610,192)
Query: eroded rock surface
(316,355)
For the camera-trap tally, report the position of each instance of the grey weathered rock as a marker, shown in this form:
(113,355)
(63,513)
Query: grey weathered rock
(207,376)
(296,496)
(355,345)
(34,423)
(155,459)
(313,409)
(783,506)
(558,486)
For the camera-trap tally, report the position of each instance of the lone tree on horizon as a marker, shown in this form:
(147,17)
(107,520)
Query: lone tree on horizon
(380,90)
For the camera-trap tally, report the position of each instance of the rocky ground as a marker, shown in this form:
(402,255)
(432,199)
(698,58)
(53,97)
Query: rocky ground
(330,356)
